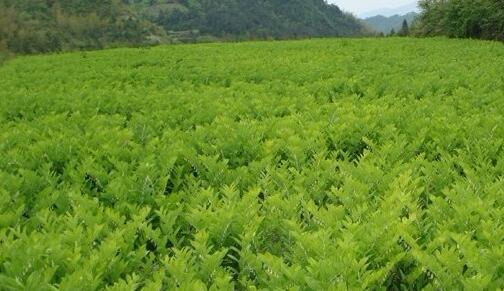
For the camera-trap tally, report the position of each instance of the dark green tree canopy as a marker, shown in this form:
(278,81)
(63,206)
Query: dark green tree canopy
(462,18)
(32,26)
(255,18)
(404,28)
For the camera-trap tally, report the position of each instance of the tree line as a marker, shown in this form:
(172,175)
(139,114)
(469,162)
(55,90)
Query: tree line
(261,19)
(461,18)
(40,26)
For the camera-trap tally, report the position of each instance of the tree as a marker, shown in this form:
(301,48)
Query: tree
(404,29)
(461,18)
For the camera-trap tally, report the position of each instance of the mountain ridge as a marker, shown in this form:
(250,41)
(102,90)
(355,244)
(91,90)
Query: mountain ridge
(388,12)
(385,24)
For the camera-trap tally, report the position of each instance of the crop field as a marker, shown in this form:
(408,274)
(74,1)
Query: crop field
(350,164)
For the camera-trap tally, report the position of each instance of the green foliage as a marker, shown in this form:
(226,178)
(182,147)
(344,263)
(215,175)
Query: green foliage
(404,31)
(42,26)
(261,19)
(4,55)
(462,18)
(304,165)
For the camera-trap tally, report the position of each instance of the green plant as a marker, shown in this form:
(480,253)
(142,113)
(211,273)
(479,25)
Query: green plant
(308,165)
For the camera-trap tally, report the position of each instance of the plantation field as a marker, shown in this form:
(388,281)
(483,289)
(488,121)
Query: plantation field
(302,165)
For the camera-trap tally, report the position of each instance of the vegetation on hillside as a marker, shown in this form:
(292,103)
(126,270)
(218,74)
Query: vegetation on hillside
(372,164)
(261,19)
(462,18)
(28,26)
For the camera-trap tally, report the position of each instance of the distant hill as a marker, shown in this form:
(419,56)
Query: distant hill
(384,24)
(28,26)
(254,18)
(401,10)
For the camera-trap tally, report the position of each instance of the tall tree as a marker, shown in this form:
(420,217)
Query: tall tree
(404,28)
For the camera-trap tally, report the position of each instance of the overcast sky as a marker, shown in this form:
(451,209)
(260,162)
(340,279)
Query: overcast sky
(359,6)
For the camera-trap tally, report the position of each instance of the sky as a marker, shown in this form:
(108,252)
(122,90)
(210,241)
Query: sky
(359,7)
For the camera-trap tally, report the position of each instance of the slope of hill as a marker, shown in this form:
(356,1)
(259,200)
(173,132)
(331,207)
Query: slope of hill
(401,10)
(328,164)
(385,24)
(260,19)
(28,26)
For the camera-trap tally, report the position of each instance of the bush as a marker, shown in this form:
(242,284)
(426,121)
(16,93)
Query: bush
(4,53)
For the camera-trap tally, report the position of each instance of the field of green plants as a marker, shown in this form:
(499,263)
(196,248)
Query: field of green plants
(302,165)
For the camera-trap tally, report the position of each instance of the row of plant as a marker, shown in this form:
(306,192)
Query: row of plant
(305,165)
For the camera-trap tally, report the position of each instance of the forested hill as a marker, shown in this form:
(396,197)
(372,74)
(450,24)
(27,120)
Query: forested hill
(257,19)
(35,26)
(32,26)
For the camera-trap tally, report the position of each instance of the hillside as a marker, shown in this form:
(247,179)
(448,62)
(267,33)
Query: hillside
(334,164)
(28,26)
(385,24)
(42,26)
(387,12)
